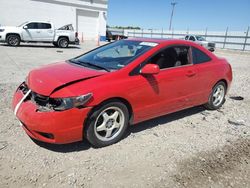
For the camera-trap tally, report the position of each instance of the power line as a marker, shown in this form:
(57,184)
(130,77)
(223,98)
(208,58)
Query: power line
(172,14)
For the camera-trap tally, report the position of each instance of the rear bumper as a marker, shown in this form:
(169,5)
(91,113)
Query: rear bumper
(52,127)
(76,42)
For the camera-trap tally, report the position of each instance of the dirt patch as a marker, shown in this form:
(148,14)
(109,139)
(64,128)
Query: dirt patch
(214,167)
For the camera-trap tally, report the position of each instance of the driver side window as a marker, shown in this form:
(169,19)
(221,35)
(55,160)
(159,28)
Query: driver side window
(32,25)
(170,57)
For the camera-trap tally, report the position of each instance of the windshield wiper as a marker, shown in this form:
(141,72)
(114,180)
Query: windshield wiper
(88,64)
(74,61)
(94,65)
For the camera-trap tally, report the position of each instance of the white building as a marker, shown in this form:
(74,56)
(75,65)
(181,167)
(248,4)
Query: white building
(87,16)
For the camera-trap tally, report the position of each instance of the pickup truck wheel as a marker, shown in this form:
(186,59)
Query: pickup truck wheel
(13,40)
(63,42)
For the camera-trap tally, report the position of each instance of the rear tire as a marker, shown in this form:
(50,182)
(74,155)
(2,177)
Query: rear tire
(107,124)
(217,96)
(63,42)
(13,40)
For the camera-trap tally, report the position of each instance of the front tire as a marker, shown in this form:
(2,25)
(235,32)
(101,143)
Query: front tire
(217,96)
(13,40)
(55,44)
(107,124)
(63,42)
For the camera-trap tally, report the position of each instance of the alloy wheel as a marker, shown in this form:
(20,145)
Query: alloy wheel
(218,95)
(63,43)
(109,123)
(13,40)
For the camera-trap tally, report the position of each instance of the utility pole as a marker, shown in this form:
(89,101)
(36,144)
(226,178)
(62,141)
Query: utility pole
(172,14)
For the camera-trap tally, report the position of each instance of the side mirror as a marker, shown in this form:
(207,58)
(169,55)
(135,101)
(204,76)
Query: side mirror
(150,69)
(25,27)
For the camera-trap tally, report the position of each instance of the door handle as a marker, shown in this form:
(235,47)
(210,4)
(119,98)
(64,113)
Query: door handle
(190,73)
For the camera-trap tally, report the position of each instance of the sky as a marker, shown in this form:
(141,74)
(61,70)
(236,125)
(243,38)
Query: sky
(188,14)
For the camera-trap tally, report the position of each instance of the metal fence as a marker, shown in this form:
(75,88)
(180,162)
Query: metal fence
(227,39)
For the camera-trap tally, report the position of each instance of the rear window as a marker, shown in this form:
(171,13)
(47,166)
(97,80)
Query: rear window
(67,27)
(199,56)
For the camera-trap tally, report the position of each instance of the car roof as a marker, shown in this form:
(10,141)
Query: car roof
(39,21)
(159,41)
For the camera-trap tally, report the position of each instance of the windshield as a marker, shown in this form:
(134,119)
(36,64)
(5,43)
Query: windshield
(199,38)
(22,24)
(113,56)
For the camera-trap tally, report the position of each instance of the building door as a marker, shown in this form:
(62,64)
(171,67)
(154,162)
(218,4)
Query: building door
(87,24)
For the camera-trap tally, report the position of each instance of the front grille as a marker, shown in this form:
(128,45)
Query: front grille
(39,99)
(24,88)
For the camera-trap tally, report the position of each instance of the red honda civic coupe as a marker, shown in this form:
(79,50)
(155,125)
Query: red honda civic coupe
(98,94)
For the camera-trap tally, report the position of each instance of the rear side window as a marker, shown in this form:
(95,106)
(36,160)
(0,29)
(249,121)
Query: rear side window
(44,26)
(199,56)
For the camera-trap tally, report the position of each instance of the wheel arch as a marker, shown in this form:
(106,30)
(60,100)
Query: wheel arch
(113,99)
(8,34)
(222,80)
(64,36)
(122,100)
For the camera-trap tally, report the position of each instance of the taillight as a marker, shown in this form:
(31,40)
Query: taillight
(76,34)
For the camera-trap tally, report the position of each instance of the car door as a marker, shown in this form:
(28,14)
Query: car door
(170,90)
(46,31)
(31,32)
(206,74)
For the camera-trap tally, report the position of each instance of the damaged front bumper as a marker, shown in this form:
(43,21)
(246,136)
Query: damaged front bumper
(58,127)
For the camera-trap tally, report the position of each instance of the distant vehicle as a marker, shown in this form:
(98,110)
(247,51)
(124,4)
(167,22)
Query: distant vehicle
(39,32)
(201,41)
(98,94)
(110,36)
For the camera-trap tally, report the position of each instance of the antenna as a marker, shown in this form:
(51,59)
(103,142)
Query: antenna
(172,14)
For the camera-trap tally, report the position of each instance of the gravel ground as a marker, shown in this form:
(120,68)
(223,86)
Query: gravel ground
(191,148)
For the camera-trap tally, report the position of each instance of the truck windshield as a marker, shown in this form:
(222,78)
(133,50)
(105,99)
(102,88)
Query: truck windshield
(199,38)
(114,56)
(22,24)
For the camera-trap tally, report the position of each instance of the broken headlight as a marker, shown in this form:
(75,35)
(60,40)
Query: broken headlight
(61,104)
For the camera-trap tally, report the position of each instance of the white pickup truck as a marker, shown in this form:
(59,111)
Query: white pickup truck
(36,31)
(201,41)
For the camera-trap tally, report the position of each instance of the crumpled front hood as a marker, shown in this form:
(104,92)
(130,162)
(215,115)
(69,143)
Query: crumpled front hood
(48,78)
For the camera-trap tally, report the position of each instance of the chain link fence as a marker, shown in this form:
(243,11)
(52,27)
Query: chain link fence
(227,39)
